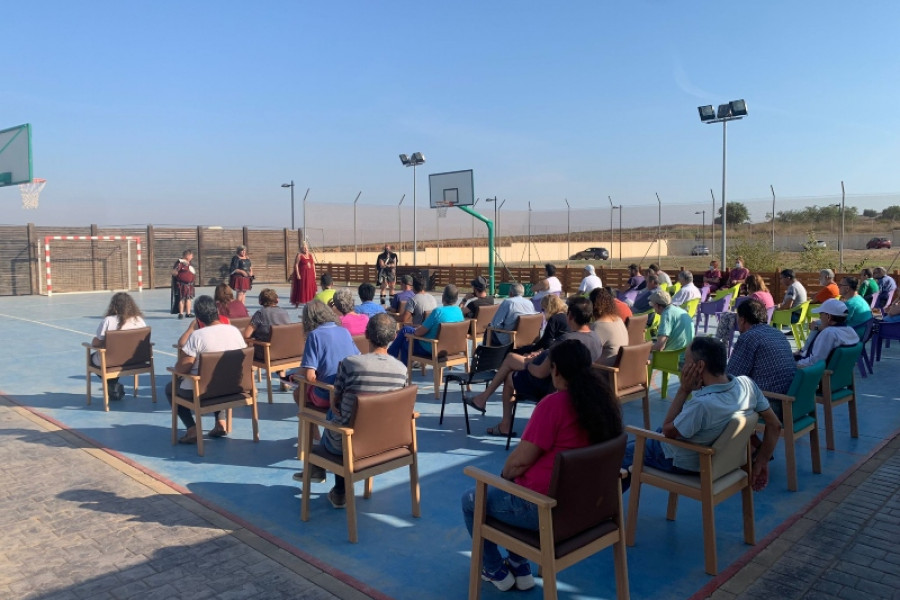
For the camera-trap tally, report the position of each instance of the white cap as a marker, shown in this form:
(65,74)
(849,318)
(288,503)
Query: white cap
(833,307)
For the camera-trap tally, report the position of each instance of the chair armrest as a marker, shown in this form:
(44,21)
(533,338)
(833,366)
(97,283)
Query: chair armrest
(89,345)
(190,376)
(255,342)
(494,329)
(608,368)
(776,396)
(509,487)
(646,433)
(300,379)
(410,336)
(318,419)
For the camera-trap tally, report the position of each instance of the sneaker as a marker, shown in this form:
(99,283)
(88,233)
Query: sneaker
(316,475)
(382,300)
(502,579)
(340,500)
(180,316)
(522,573)
(190,315)
(116,391)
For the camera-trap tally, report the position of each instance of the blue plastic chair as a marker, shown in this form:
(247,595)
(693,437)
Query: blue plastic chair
(707,309)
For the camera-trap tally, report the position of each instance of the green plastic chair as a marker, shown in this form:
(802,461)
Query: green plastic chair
(666,361)
(691,307)
(503,290)
(810,317)
(733,291)
(673,289)
(799,412)
(839,387)
(780,318)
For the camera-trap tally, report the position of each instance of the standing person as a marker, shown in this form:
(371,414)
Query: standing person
(122,313)
(387,271)
(227,305)
(260,327)
(214,336)
(241,273)
(580,413)
(303,278)
(183,284)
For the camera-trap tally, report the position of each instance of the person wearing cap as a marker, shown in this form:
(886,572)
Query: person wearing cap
(477,298)
(688,290)
(831,333)
(829,287)
(676,327)
(858,310)
(590,281)
(402,296)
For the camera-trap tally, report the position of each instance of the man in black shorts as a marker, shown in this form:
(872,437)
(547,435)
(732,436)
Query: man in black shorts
(387,271)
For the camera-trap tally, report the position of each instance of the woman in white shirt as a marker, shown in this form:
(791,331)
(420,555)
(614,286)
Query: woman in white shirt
(122,313)
(549,285)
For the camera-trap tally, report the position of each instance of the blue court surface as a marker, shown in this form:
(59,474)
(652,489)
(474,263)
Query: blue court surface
(398,556)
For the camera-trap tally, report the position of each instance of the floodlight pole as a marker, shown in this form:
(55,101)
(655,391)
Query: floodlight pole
(771,187)
(304,213)
(568,229)
(529,233)
(355,247)
(415,233)
(724,206)
(490,228)
(291,185)
(658,230)
(473,232)
(611,234)
(400,223)
(843,197)
(712,226)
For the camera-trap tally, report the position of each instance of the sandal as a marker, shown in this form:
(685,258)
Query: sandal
(495,431)
(186,439)
(467,400)
(217,432)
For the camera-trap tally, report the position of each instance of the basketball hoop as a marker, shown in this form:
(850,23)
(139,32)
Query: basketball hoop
(30,192)
(442,209)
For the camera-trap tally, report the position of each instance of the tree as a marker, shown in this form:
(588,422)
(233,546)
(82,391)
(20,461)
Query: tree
(870,212)
(891,212)
(737,214)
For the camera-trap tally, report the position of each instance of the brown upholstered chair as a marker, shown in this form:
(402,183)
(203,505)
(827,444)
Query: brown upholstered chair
(724,471)
(637,328)
(304,406)
(450,348)
(579,516)
(240,322)
(362,344)
(381,438)
(628,377)
(224,380)
(283,351)
(527,330)
(482,322)
(126,352)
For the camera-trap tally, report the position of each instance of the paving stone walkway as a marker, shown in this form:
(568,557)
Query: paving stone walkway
(845,547)
(77,523)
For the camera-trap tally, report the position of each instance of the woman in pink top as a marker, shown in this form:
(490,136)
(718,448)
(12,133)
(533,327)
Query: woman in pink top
(582,412)
(756,288)
(342,305)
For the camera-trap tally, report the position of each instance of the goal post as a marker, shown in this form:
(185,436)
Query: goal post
(92,263)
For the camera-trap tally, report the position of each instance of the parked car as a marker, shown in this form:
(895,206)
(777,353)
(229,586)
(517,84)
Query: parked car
(877,243)
(591,254)
(699,251)
(815,244)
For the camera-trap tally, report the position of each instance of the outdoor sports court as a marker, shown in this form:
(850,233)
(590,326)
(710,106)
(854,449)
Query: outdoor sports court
(397,556)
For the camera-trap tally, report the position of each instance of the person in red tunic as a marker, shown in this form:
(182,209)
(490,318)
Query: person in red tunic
(303,279)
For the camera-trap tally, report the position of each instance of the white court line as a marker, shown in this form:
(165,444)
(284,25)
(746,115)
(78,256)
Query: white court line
(90,335)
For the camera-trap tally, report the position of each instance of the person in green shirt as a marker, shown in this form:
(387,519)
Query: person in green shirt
(858,311)
(676,327)
(868,287)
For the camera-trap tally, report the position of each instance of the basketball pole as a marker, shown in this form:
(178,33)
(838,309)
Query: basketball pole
(490,228)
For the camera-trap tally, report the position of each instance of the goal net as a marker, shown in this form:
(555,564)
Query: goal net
(87,263)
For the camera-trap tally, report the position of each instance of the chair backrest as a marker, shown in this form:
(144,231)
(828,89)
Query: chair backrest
(287,341)
(866,330)
(803,389)
(453,338)
(485,316)
(704,293)
(841,363)
(126,347)
(240,322)
(362,344)
(632,364)
(731,445)
(528,329)
(636,324)
(382,422)
(585,484)
(488,358)
(226,373)
(691,306)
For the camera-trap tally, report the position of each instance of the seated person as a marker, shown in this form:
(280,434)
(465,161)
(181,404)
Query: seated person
(858,310)
(794,294)
(868,287)
(661,275)
(530,375)
(713,276)
(212,336)
(832,331)
(475,300)
(352,321)
(368,306)
(260,327)
(508,314)
(635,279)
(371,373)
(738,274)
(557,323)
(122,313)
(688,290)
(327,292)
(642,301)
(676,327)
(549,285)
(756,288)
(829,287)
(887,287)
(715,398)
(582,412)
(227,305)
(621,307)
(406,282)
(590,281)
(608,326)
(412,316)
(449,312)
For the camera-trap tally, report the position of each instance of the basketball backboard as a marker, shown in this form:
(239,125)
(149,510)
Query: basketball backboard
(15,155)
(455,188)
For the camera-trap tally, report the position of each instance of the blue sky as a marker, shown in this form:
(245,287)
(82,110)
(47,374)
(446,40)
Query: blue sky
(195,112)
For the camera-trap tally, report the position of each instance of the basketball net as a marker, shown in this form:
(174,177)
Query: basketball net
(30,192)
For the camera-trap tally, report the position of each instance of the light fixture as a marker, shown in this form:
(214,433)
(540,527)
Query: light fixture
(706,112)
(413,161)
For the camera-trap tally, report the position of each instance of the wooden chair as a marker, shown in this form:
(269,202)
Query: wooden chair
(450,348)
(224,380)
(283,351)
(126,352)
(485,362)
(783,317)
(628,378)
(799,415)
(724,471)
(304,431)
(637,328)
(362,344)
(527,330)
(381,438)
(839,387)
(666,361)
(482,322)
(240,322)
(580,516)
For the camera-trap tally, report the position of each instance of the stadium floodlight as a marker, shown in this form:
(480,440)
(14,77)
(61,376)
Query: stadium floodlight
(706,112)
